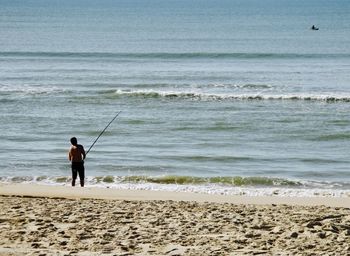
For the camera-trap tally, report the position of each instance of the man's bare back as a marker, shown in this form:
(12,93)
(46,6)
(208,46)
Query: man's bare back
(76,153)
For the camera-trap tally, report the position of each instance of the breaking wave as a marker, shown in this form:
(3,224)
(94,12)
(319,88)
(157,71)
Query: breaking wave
(251,186)
(219,97)
(169,179)
(29,90)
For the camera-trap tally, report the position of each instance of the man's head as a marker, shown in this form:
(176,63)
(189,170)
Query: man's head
(74,141)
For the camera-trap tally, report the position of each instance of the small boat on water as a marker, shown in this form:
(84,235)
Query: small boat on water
(314,28)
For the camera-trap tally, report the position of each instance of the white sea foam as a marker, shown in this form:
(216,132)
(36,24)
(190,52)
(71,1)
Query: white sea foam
(225,190)
(325,97)
(29,89)
(216,189)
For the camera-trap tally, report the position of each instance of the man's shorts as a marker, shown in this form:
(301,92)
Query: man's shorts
(78,168)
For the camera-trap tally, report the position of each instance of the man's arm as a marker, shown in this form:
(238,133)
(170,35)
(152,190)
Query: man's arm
(69,156)
(83,152)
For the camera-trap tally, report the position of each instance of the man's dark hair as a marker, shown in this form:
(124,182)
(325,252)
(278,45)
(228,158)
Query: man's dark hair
(74,141)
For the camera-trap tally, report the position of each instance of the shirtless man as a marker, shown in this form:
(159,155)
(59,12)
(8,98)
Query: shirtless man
(77,155)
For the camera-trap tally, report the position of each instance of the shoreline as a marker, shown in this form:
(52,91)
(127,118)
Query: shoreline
(230,186)
(34,190)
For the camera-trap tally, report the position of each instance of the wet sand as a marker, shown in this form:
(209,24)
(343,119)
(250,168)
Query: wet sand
(58,224)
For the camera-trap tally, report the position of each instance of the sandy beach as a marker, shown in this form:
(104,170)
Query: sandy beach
(52,220)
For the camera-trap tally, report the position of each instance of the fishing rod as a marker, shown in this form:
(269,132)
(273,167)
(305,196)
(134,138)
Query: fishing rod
(103,131)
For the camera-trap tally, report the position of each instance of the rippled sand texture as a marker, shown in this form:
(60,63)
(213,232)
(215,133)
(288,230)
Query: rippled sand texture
(44,226)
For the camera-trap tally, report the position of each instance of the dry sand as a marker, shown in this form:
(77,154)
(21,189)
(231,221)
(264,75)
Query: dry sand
(62,222)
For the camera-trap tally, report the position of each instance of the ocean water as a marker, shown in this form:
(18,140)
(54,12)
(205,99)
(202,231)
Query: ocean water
(228,96)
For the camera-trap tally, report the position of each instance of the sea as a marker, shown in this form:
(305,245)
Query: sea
(233,97)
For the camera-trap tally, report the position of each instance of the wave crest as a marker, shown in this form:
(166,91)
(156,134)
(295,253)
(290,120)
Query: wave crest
(251,186)
(29,89)
(221,97)
(168,179)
